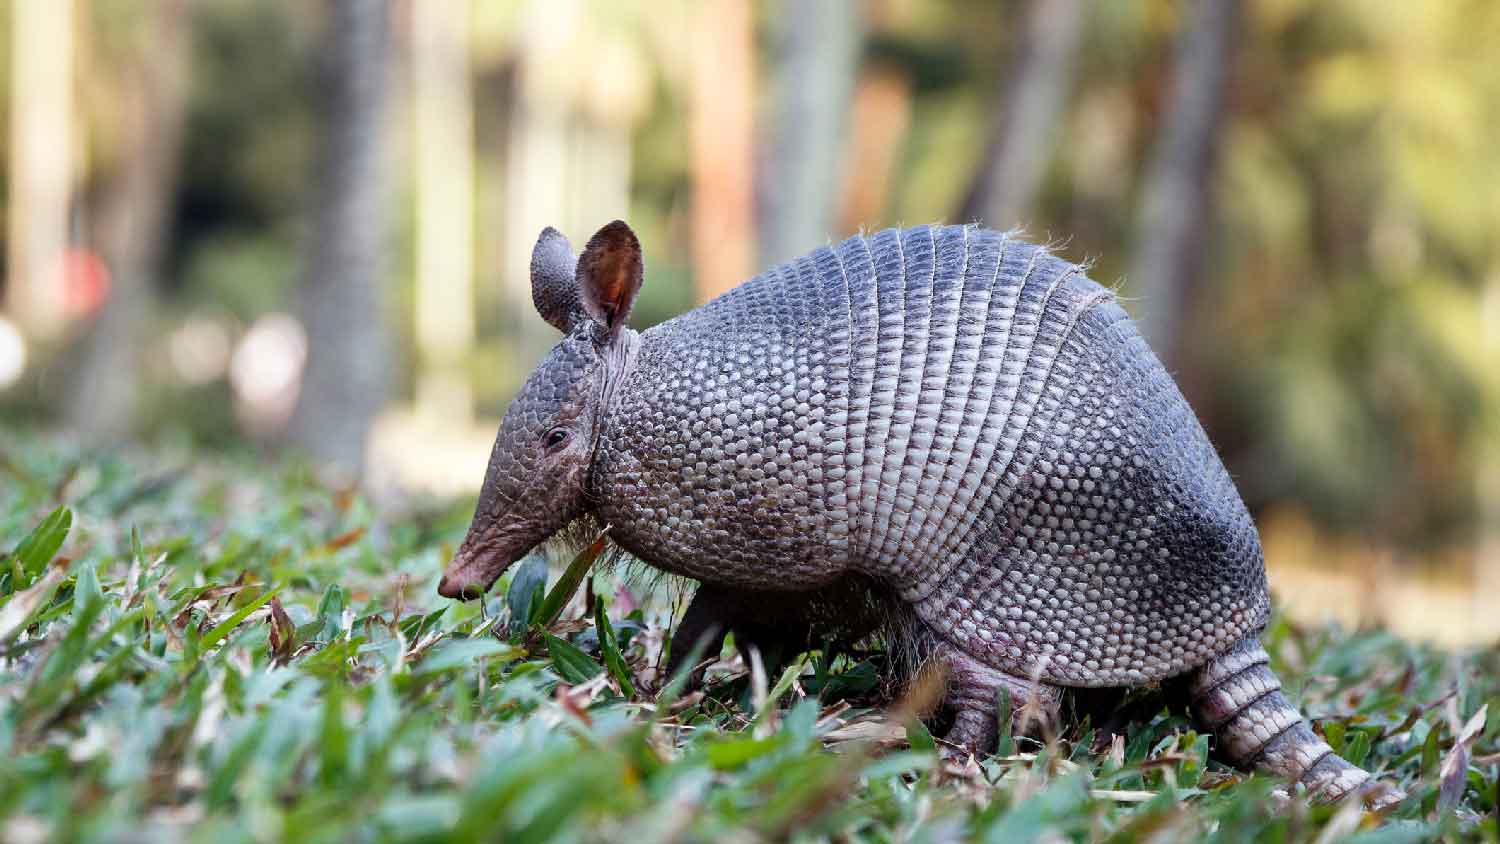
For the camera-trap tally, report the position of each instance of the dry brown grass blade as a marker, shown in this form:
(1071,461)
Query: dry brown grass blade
(1453,773)
(17,611)
(283,633)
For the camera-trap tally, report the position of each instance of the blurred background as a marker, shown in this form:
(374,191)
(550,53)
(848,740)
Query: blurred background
(271,224)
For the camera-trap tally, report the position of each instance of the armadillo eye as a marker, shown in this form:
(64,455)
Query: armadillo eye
(554,439)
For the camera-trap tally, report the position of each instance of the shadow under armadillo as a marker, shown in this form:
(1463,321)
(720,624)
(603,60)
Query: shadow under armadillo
(1236,698)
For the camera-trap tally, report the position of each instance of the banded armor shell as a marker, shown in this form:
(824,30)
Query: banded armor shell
(962,417)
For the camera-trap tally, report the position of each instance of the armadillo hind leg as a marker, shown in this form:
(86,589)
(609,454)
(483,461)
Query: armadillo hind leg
(1238,697)
(973,695)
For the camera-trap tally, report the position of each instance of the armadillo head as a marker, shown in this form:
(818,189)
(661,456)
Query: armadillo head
(537,479)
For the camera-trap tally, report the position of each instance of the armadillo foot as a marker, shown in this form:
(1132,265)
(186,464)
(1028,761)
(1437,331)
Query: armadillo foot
(973,695)
(1238,697)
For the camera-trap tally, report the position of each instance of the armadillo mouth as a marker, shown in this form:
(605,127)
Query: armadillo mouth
(473,570)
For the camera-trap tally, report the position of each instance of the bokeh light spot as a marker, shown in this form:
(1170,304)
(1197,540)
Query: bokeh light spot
(12,353)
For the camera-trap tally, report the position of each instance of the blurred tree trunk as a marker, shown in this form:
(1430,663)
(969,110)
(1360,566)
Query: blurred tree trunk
(41,172)
(721,130)
(579,90)
(879,119)
(1487,461)
(1176,208)
(817,49)
(348,350)
(536,167)
(132,225)
(1029,101)
(1487,581)
(445,207)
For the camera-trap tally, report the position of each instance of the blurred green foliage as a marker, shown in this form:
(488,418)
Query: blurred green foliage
(226,651)
(1344,329)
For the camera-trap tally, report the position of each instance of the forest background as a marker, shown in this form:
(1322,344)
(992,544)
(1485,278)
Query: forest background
(241,226)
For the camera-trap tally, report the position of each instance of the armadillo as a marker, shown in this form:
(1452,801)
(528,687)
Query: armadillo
(950,414)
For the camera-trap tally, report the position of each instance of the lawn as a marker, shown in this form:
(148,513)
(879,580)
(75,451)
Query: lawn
(217,648)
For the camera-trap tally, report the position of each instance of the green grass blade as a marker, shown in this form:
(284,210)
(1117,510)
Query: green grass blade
(562,591)
(609,647)
(86,588)
(783,685)
(222,629)
(40,546)
(331,614)
(572,664)
(522,598)
(1005,720)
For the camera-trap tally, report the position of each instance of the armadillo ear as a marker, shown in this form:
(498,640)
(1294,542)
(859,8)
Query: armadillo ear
(609,275)
(554,286)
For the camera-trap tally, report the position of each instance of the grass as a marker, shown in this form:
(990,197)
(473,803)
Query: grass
(221,651)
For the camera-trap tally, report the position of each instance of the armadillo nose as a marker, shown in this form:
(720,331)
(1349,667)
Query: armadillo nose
(469,574)
(458,579)
(449,587)
(460,584)
(481,558)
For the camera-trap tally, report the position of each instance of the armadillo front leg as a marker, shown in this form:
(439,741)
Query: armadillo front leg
(1239,698)
(709,616)
(973,695)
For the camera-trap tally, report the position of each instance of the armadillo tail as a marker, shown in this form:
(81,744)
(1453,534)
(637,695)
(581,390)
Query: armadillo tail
(1238,697)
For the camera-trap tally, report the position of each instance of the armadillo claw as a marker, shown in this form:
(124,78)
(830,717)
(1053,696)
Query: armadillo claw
(1379,796)
(973,690)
